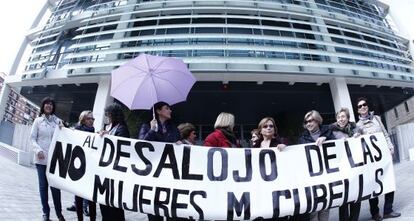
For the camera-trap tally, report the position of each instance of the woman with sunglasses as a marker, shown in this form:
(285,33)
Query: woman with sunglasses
(368,124)
(343,129)
(85,123)
(269,137)
(315,133)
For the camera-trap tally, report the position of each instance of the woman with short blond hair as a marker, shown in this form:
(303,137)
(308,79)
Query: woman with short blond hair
(223,135)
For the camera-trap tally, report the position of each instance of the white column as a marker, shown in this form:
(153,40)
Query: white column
(4,96)
(102,100)
(340,95)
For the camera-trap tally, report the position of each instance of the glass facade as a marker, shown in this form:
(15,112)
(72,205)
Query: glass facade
(344,37)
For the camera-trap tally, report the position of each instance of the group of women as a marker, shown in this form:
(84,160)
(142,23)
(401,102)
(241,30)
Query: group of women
(161,129)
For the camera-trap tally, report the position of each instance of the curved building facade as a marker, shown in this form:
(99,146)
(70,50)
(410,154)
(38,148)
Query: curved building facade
(332,42)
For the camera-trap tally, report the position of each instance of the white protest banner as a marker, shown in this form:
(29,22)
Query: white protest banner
(219,183)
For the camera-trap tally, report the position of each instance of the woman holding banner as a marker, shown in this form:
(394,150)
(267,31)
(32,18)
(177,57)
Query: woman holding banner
(223,135)
(368,124)
(160,128)
(116,127)
(269,137)
(316,133)
(85,123)
(343,129)
(41,137)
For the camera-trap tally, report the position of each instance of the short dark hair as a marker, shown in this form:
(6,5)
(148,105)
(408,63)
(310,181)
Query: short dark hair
(116,114)
(362,99)
(158,106)
(47,100)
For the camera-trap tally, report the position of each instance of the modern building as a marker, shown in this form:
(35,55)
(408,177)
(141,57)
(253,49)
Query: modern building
(254,58)
(18,109)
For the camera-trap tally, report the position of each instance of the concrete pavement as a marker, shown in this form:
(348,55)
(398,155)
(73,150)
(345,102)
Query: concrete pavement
(19,197)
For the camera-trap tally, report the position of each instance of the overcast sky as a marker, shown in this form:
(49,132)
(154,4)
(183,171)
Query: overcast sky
(16,17)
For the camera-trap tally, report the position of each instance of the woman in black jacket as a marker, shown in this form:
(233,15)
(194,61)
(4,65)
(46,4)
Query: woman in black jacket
(85,124)
(160,128)
(316,133)
(116,127)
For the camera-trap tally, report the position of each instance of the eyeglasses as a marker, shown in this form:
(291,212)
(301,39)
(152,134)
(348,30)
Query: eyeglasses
(362,105)
(90,118)
(268,126)
(308,121)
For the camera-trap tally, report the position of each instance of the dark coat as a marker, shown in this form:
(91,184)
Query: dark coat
(325,132)
(218,139)
(83,127)
(122,131)
(273,142)
(171,136)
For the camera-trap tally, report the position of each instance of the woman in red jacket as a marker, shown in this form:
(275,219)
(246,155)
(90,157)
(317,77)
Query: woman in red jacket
(223,135)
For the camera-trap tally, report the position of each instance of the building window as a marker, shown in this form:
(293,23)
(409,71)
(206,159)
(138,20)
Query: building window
(406,107)
(396,112)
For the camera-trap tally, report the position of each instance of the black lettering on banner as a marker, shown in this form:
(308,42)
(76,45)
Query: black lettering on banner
(319,199)
(77,173)
(373,138)
(273,167)
(366,151)
(332,194)
(186,166)
(134,200)
(328,157)
(315,148)
(112,193)
(102,187)
(350,158)
(308,194)
(361,189)
(276,201)
(296,200)
(379,172)
(249,172)
(234,204)
(120,191)
(174,202)
(168,153)
(195,205)
(87,141)
(210,164)
(161,204)
(107,142)
(120,153)
(141,198)
(346,191)
(148,166)
(63,160)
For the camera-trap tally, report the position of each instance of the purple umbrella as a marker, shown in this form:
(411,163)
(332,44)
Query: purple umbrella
(147,79)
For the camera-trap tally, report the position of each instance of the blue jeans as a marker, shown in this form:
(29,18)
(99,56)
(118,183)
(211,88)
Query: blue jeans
(44,195)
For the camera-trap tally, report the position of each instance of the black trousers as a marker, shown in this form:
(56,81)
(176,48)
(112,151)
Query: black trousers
(79,209)
(349,211)
(112,213)
(389,200)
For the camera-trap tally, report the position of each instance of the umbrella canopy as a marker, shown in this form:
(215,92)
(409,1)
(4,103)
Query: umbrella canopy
(147,79)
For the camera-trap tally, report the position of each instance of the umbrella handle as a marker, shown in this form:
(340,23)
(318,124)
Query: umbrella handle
(153,118)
